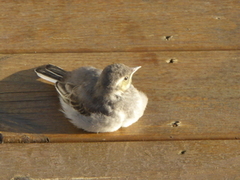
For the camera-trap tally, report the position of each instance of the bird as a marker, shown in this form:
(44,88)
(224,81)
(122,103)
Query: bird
(97,100)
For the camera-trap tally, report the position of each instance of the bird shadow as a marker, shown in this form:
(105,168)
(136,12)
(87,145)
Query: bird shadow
(28,105)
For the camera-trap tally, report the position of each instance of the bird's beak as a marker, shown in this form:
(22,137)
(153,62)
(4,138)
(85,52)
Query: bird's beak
(135,69)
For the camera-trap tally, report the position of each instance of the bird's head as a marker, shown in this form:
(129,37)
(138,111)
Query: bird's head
(117,77)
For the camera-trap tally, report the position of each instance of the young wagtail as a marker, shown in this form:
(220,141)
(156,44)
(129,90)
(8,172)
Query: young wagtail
(97,100)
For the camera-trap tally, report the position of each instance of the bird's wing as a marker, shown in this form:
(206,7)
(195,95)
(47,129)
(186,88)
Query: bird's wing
(66,91)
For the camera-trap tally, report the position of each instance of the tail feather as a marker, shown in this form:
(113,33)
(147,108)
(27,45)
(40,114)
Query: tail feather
(50,73)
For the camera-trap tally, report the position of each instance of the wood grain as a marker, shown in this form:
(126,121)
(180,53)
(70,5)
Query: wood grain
(135,160)
(189,52)
(196,97)
(106,26)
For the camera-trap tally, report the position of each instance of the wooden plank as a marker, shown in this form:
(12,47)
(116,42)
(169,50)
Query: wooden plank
(83,26)
(196,97)
(126,160)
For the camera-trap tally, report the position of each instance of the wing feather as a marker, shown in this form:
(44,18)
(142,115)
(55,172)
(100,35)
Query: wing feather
(66,91)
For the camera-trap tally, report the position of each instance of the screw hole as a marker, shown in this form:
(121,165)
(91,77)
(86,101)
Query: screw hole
(171,60)
(175,124)
(183,152)
(167,38)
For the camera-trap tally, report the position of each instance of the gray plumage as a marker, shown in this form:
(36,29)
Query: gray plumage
(96,100)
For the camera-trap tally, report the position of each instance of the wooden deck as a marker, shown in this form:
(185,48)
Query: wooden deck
(190,57)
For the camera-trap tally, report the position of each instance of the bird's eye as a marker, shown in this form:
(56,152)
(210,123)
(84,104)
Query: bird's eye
(126,78)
